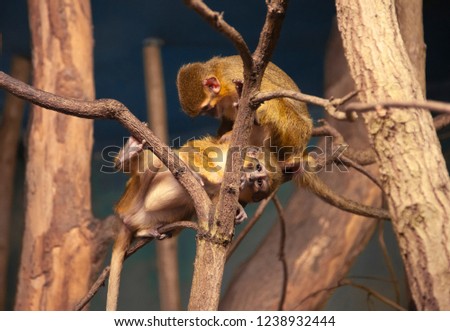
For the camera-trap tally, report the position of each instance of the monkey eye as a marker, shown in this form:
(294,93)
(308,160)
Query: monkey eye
(258,167)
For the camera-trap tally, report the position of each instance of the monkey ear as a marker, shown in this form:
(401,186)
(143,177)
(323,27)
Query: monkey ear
(213,84)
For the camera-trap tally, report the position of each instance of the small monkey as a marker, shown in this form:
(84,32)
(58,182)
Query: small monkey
(210,88)
(153,197)
(282,125)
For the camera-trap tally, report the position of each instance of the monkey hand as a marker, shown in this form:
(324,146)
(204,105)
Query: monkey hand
(131,148)
(225,138)
(241,215)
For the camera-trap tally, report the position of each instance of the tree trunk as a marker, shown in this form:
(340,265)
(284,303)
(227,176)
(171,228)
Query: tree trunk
(59,250)
(166,250)
(10,130)
(314,238)
(414,175)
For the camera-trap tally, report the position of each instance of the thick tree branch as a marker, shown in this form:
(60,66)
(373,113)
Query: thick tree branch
(276,11)
(205,291)
(113,109)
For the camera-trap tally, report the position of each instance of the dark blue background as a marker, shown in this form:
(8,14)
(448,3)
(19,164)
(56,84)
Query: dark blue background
(120,27)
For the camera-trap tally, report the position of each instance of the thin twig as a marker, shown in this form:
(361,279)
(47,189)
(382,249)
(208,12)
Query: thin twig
(362,157)
(141,242)
(441,121)
(349,162)
(281,253)
(255,218)
(360,107)
(382,298)
(347,282)
(388,261)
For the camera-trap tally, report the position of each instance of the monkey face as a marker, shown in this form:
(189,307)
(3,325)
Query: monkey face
(255,179)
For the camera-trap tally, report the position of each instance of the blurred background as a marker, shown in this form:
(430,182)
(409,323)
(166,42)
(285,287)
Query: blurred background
(120,28)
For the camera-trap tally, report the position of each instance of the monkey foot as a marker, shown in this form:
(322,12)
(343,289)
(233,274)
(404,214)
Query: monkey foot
(151,233)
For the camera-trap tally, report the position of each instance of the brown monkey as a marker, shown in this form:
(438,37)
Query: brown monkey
(209,88)
(153,197)
(283,125)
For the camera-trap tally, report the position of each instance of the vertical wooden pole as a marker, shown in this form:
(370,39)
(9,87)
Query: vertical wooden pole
(166,250)
(10,129)
(59,243)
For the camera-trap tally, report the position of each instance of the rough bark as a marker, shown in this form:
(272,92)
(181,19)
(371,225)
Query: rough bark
(215,235)
(166,250)
(59,240)
(318,233)
(10,131)
(413,171)
(321,244)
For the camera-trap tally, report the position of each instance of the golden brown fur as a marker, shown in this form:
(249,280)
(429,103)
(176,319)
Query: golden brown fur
(285,121)
(153,197)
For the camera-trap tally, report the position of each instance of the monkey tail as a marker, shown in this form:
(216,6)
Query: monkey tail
(118,254)
(317,186)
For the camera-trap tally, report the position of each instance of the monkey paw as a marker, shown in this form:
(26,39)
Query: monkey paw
(241,215)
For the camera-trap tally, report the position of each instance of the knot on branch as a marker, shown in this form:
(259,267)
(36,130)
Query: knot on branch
(206,236)
(231,190)
(179,172)
(217,18)
(276,8)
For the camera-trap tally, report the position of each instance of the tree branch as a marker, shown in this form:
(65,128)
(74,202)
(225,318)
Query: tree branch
(330,105)
(388,260)
(281,253)
(255,218)
(215,19)
(276,11)
(349,162)
(205,290)
(360,107)
(362,157)
(141,242)
(113,109)
(441,121)
(377,295)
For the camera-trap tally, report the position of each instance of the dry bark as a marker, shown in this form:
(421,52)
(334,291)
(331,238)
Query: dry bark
(59,240)
(412,167)
(166,250)
(215,235)
(10,130)
(323,243)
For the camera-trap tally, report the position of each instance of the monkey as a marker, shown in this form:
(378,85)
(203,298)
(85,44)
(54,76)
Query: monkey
(209,88)
(283,125)
(153,197)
